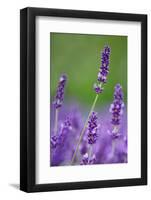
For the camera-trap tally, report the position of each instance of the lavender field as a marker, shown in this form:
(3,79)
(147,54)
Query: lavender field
(89,127)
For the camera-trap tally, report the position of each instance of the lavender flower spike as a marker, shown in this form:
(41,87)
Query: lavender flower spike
(60,92)
(65,127)
(103,71)
(92,128)
(59,99)
(116,108)
(102,75)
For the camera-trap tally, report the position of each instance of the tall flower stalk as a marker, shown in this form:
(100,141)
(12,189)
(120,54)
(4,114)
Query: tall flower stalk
(116,109)
(102,79)
(92,138)
(59,99)
(92,129)
(60,142)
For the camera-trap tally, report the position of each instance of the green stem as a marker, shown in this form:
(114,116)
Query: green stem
(83,130)
(56,121)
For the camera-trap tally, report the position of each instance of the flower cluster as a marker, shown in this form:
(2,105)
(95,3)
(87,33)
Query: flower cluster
(117,106)
(67,136)
(60,142)
(103,71)
(64,129)
(54,141)
(98,89)
(87,161)
(92,128)
(60,92)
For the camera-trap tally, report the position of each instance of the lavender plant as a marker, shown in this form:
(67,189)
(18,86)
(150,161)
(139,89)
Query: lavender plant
(116,109)
(92,129)
(59,98)
(102,79)
(60,142)
(103,71)
(92,138)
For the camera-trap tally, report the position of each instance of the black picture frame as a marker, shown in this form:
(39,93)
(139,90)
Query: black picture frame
(28,99)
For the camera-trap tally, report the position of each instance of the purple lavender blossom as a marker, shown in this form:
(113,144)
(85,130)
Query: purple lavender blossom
(87,161)
(103,71)
(92,128)
(97,88)
(54,141)
(60,92)
(117,106)
(61,142)
(67,123)
(65,128)
(104,149)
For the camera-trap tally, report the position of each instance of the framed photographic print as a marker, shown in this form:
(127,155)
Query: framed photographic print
(83,99)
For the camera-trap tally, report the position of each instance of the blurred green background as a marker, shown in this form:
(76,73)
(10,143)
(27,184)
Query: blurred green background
(79,57)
